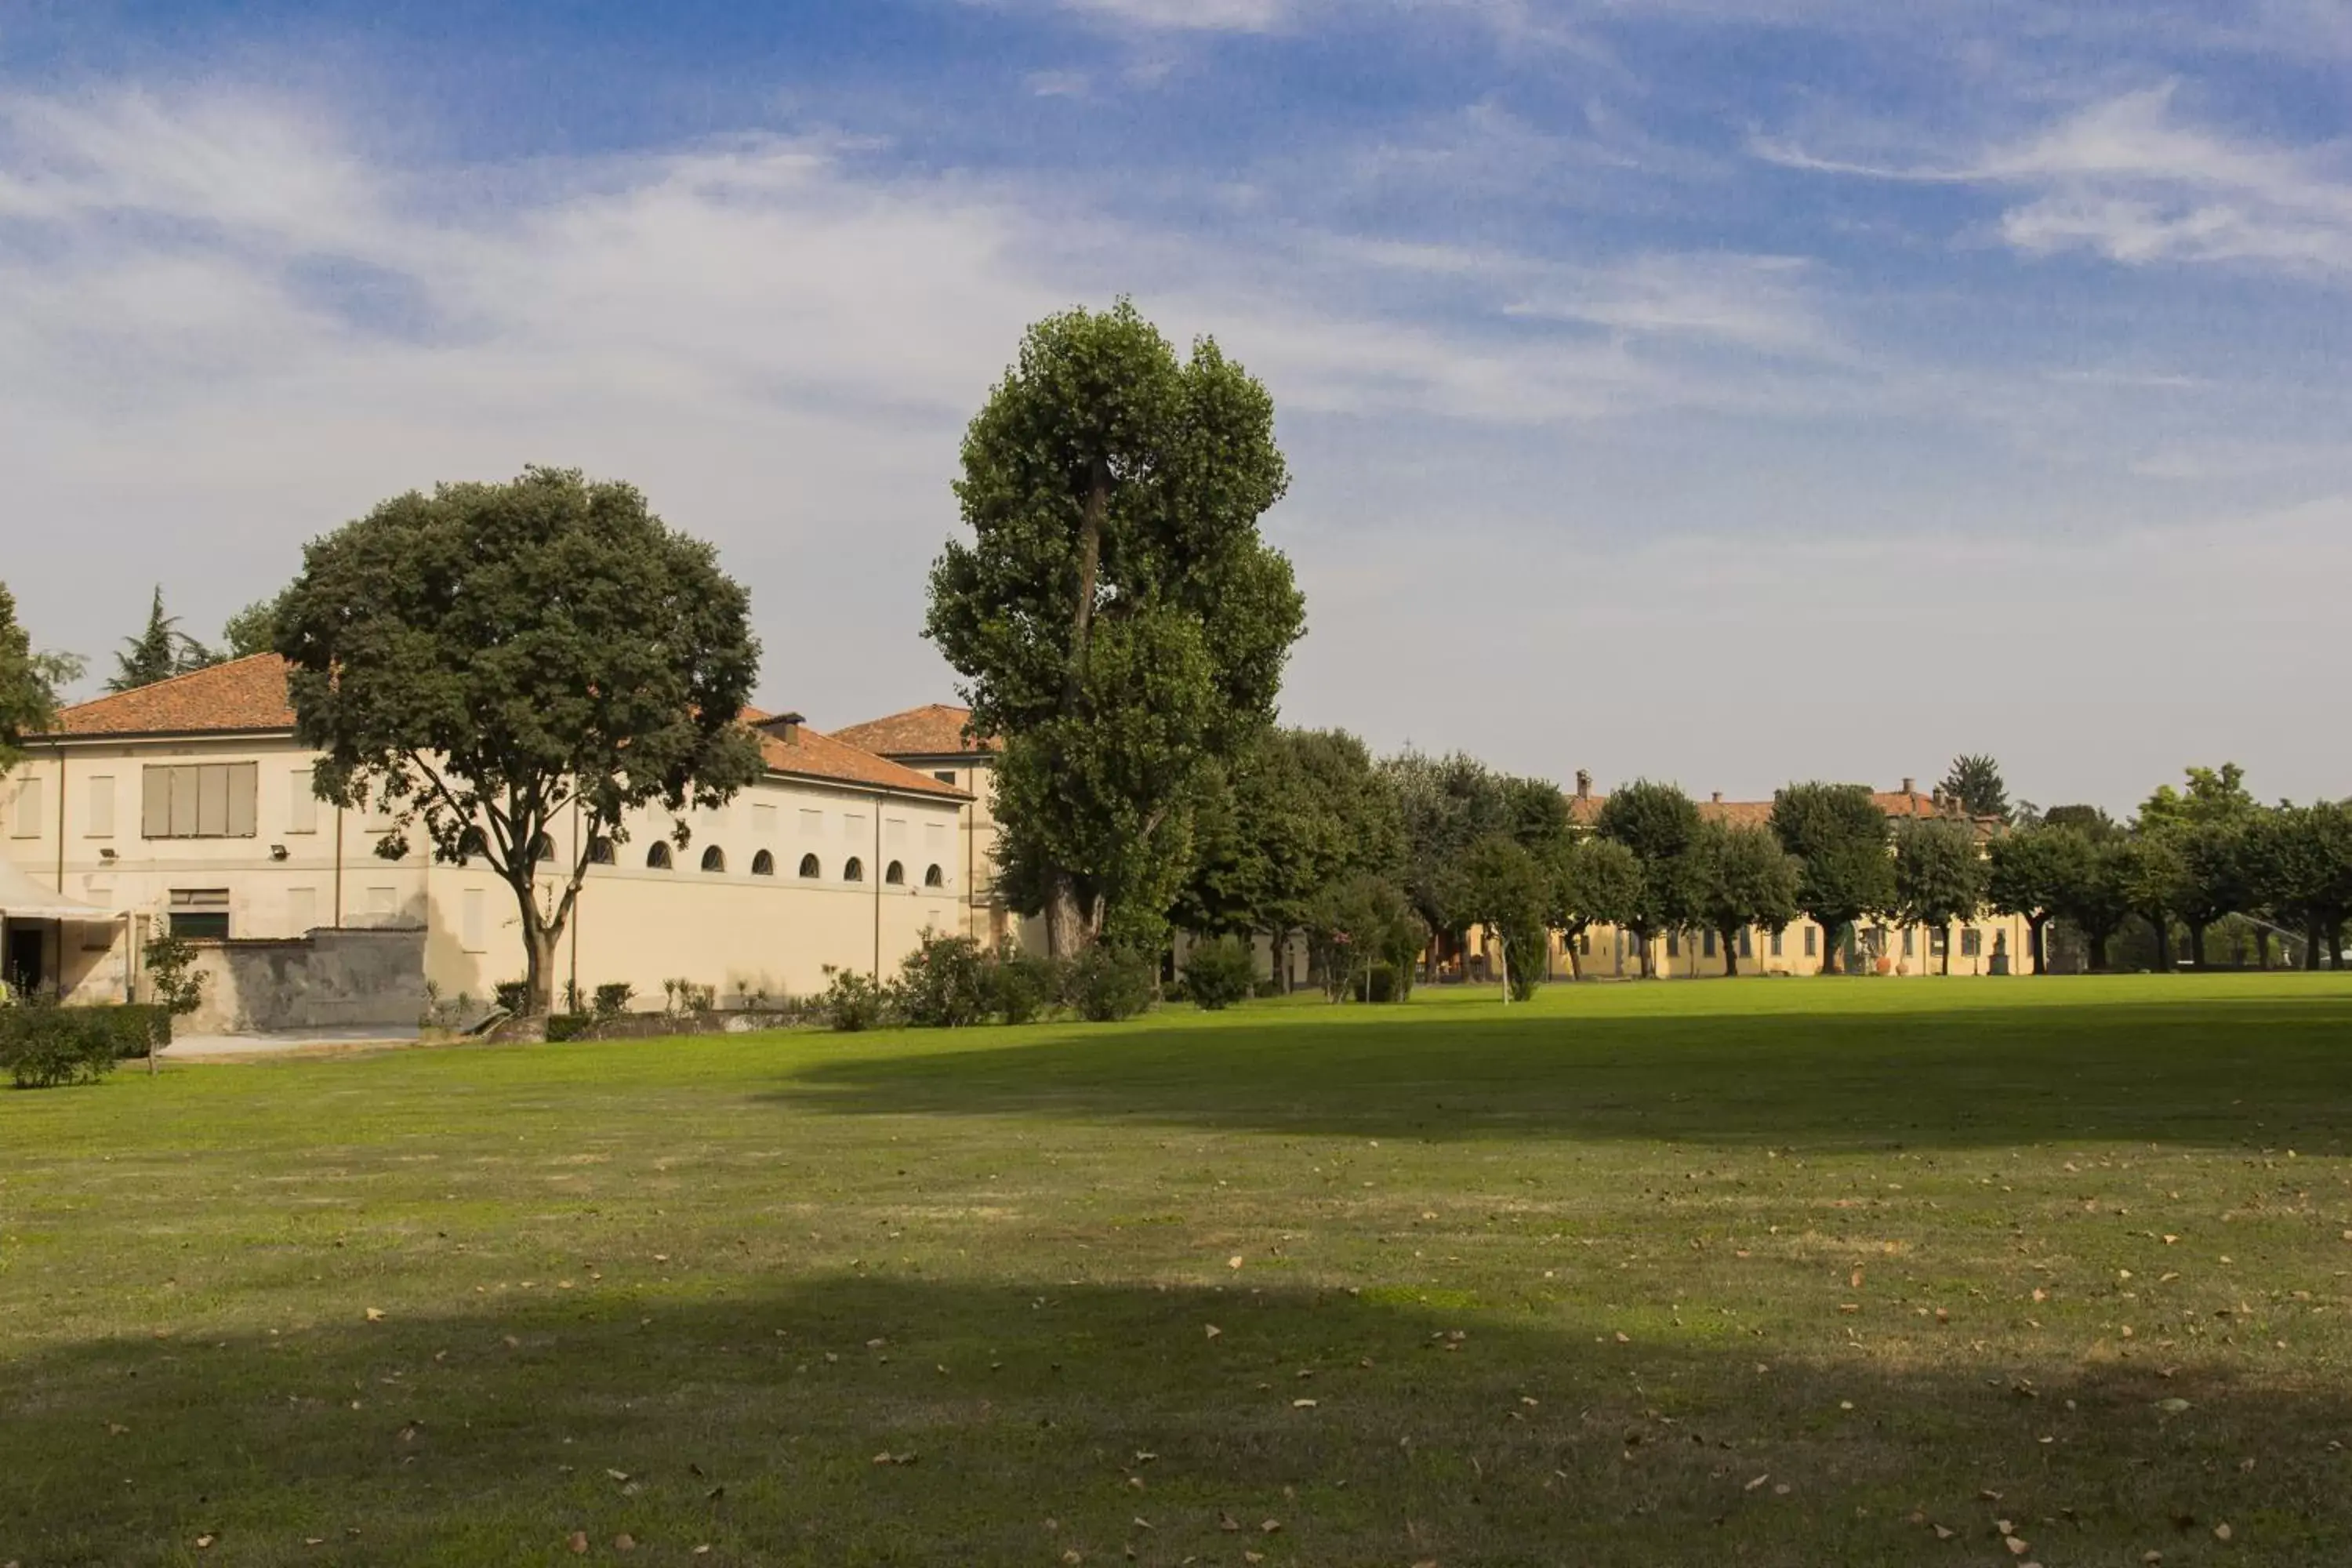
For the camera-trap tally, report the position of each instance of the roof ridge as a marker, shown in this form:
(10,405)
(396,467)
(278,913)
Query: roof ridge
(212,668)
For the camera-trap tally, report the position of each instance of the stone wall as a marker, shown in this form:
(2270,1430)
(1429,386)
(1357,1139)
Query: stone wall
(327,980)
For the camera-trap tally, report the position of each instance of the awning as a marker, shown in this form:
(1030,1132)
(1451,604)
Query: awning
(23,898)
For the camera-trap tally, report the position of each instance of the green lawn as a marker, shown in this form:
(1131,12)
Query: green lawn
(1768,1272)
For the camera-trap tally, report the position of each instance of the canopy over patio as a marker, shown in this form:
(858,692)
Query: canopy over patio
(23,898)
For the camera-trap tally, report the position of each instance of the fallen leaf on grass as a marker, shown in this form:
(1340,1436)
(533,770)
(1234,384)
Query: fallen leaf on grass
(1214,1330)
(1269,1526)
(1943,1533)
(1757,1483)
(375,1314)
(624,1543)
(2016,1548)
(1302,1404)
(1235,1261)
(578,1543)
(2220,1532)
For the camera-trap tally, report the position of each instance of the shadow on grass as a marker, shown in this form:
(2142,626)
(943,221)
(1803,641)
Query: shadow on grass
(2258,1071)
(1018,1421)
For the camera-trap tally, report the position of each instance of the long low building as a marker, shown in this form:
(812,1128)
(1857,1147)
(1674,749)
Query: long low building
(188,803)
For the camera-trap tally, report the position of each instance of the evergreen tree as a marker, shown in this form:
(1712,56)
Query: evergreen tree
(158,652)
(1976,782)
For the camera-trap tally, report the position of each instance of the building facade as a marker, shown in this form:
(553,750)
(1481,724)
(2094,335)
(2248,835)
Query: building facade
(187,804)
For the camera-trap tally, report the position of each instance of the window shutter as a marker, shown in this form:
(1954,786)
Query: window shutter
(302,805)
(155,802)
(182,821)
(243,785)
(101,806)
(26,820)
(212,801)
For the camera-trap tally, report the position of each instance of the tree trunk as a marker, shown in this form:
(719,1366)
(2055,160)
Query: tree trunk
(1575,959)
(1947,950)
(539,938)
(2162,925)
(1730,952)
(1829,947)
(2336,944)
(2311,945)
(1065,920)
(2035,949)
(2196,944)
(2097,942)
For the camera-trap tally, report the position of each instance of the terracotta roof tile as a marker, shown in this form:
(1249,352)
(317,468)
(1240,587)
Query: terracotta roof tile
(1584,811)
(241,697)
(247,696)
(934,729)
(813,754)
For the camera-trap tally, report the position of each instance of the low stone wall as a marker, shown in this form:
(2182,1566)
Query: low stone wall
(327,980)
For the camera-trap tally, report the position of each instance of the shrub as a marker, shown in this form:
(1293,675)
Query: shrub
(514,995)
(612,999)
(1381,983)
(1107,984)
(1221,973)
(852,1001)
(567,1025)
(1026,983)
(944,984)
(44,1046)
(1270,986)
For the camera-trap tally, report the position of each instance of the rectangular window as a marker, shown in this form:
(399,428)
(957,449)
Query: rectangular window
(381,902)
(1674,944)
(893,831)
(763,819)
(945,775)
(470,921)
(102,807)
(301,910)
(1906,942)
(1775,945)
(199,800)
(1812,942)
(812,823)
(301,805)
(1747,942)
(1584,942)
(854,828)
(199,913)
(375,816)
(1971,943)
(25,816)
(1937,940)
(1707,945)
(935,836)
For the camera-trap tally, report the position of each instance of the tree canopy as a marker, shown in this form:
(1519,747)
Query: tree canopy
(1660,825)
(483,659)
(1117,616)
(1745,880)
(2030,873)
(1976,782)
(159,651)
(1505,890)
(1295,810)
(1839,833)
(1593,882)
(28,684)
(1939,878)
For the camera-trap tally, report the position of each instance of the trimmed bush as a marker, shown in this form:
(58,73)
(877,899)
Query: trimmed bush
(852,1002)
(944,984)
(1026,983)
(1381,983)
(567,1025)
(44,1046)
(1221,973)
(514,995)
(1107,984)
(612,999)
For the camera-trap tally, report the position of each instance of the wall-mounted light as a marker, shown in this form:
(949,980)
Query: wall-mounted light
(277,852)
(107,855)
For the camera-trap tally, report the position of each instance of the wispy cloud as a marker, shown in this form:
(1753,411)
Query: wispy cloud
(2129,179)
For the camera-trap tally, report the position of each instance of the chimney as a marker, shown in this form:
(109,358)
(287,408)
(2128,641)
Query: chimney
(1583,784)
(1717,798)
(1910,785)
(784,727)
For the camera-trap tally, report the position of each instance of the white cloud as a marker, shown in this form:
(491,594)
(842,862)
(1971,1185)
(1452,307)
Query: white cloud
(2128,179)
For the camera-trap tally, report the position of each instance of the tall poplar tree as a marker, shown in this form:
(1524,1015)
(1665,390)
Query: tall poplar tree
(1117,616)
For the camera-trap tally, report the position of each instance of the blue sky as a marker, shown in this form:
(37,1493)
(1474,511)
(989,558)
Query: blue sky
(1721,390)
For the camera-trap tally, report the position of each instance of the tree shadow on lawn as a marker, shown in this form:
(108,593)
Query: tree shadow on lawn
(863,1420)
(2261,1072)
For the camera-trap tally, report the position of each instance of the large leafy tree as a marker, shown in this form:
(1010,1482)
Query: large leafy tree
(159,651)
(253,629)
(2152,876)
(1507,892)
(1839,835)
(1745,880)
(2298,860)
(1975,782)
(1593,882)
(1117,616)
(1448,804)
(486,658)
(2214,875)
(2212,796)
(1296,811)
(1939,877)
(28,684)
(2031,873)
(1660,824)
(1357,923)
(2095,899)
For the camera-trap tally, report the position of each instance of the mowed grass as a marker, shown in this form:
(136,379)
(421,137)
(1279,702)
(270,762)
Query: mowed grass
(1766,1272)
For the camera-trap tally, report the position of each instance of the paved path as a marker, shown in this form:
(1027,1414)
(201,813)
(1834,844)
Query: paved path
(284,1042)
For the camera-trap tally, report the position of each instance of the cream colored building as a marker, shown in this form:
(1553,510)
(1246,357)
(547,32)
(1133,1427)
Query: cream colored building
(188,803)
(1989,944)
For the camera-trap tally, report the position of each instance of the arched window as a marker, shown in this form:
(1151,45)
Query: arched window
(763,864)
(600,852)
(810,868)
(855,871)
(657,858)
(935,878)
(714,859)
(895,873)
(542,847)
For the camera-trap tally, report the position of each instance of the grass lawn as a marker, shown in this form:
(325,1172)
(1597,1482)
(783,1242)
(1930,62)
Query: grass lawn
(1766,1272)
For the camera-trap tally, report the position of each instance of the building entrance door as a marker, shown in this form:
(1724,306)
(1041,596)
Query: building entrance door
(21,963)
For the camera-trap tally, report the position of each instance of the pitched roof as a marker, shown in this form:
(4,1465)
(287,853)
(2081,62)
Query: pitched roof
(811,754)
(242,696)
(934,729)
(247,696)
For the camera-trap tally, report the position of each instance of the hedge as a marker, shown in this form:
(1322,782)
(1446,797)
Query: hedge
(43,1046)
